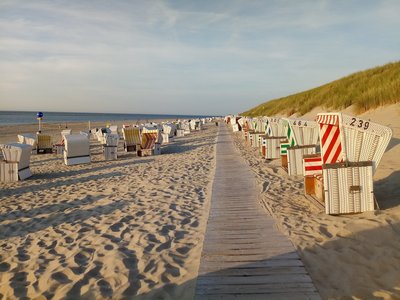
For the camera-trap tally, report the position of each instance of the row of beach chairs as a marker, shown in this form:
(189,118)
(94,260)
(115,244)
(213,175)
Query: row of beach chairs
(336,154)
(144,140)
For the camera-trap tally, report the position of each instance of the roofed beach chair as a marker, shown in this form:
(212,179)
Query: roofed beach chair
(132,138)
(101,132)
(351,149)
(16,162)
(44,144)
(154,130)
(168,132)
(149,144)
(186,128)
(170,129)
(28,138)
(303,136)
(77,149)
(110,146)
(275,134)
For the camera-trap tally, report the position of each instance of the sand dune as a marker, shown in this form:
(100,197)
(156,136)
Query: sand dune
(111,229)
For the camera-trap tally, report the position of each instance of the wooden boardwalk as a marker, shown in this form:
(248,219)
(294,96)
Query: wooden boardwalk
(244,255)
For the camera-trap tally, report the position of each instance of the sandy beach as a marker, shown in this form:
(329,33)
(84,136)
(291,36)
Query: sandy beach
(109,229)
(134,228)
(349,256)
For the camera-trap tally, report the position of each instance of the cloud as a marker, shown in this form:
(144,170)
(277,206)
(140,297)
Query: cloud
(142,54)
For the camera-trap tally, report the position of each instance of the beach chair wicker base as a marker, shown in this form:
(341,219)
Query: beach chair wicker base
(348,187)
(157,149)
(8,171)
(145,152)
(180,132)
(59,149)
(69,161)
(110,152)
(24,174)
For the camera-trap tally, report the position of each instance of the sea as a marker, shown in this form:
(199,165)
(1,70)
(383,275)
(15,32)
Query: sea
(29,117)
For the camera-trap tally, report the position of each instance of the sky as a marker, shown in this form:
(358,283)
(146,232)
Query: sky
(209,57)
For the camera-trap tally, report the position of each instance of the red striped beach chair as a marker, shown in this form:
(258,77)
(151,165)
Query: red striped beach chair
(149,144)
(351,149)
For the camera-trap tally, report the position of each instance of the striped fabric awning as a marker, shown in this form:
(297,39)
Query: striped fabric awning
(290,135)
(149,140)
(312,165)
(331,145)
(284,147)
(132,136)
(328,119)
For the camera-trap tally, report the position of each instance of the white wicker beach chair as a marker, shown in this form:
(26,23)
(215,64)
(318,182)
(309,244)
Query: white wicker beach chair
(16,162)
(77,149)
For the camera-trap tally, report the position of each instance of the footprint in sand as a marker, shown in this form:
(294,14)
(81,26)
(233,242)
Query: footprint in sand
(19,283)
(149,247)
(180,234)
(151,265)
(22,254)
(117,226)
(164,246)
(185,221)
(174,271)
(167,228)
(140,213)
(183,250)
(195,224)
(105,288)
(152,238)
(4,267)
(61,277)
(68,240)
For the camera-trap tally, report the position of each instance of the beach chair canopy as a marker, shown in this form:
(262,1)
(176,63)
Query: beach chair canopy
(132,136)
(27,138)
(275,127)
(16,152)
(352,139)
(169,128)
(301,132)
(110,139)
(76,145)
(149,140)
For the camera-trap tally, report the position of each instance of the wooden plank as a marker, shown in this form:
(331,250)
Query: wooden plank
(254,279)
(244,255)
(218,266)
(248,271)
(263,294)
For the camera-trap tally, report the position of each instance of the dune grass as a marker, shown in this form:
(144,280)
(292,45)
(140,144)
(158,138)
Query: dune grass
(365,90)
